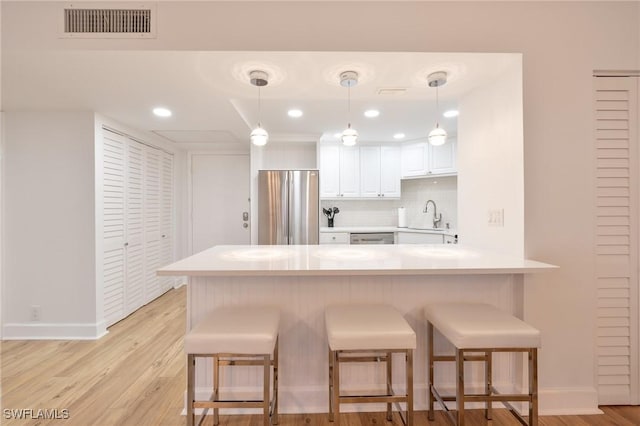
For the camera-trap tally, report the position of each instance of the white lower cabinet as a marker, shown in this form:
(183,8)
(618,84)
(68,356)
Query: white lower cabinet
(334,238)
(137,212)
(419,238)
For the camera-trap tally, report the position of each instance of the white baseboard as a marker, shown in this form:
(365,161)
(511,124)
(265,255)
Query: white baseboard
(314,399)
(568,401)
(53,331)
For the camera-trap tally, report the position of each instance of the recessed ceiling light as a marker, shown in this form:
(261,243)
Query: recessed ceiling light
(399,136)
(371,113)
(451,113)
(162,112)
(295,113)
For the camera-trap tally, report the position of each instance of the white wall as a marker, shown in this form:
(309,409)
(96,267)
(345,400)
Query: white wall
(490,164)
(49,223)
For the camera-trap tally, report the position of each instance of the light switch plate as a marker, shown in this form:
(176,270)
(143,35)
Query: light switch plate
(496,217)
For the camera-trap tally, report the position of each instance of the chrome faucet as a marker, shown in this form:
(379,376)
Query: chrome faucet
(436,217)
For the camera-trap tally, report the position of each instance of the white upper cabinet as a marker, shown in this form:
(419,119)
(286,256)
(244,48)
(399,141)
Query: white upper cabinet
(349,171)
(370,171)
(339,171)
(442,159)
(359,172)
(415,159)
(423,159)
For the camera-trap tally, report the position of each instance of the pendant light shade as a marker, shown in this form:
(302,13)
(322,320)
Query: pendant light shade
(437,136)
(348,79)
(259,136)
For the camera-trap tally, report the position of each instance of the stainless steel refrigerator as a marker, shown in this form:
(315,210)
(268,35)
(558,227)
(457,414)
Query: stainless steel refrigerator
(288,207)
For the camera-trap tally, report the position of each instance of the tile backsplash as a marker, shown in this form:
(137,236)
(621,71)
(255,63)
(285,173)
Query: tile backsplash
(415,193)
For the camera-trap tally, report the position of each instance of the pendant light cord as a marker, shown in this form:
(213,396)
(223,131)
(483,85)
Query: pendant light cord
(349,105)
(259,108)
(437,108)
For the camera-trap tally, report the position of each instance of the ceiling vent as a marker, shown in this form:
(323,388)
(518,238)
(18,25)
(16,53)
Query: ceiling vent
(109,21)
(392,91)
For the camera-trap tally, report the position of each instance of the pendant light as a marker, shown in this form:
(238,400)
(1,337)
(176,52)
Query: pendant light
(349,79)
(259,136)
(437,136)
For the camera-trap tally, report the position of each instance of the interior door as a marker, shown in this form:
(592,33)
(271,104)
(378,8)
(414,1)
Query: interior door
(219,200)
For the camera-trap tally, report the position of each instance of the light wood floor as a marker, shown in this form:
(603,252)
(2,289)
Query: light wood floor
(136,376)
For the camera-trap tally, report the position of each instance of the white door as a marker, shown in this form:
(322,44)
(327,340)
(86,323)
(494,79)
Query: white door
(219,199)
(135,277)
(390,171)
(442,159)
(166,218)
(349,171)
(152,215)
(370,171)
(329,171)
(616,239)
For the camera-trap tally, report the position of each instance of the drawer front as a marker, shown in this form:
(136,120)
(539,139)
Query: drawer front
(334,238)
(419,238)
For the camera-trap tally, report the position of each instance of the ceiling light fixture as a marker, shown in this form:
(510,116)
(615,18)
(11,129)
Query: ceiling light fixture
(451,113)
(162,112)
(399,136)
(349,79)
(294,113)
(371,113)
(437,136)
(259,136)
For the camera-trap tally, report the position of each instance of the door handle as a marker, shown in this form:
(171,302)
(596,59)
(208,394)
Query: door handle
(245,225)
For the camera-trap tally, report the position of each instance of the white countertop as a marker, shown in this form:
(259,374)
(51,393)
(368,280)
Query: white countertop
(344,259)
(366,229)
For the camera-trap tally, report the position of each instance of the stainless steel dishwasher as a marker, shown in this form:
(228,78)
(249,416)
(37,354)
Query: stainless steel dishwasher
(372,238)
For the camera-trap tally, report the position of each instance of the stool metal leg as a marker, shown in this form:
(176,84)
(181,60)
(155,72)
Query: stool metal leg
(336,388)
(330,385)
(533,386)
(410,387)
(389,384)
(274,415)
(191,384)
(488,367)
(460,385)
(430,369)
(216,388)
(266,389)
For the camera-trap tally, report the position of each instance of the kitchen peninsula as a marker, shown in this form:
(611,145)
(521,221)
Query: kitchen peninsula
(303,280)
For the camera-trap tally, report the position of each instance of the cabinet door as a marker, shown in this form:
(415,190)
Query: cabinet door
(349,171)
(442,159)
(152,215)
(334,238)
(370,171)
(166,218)
(135,277)
(419,238)
(329,171)
(390,171)
(414,159)
(113,238)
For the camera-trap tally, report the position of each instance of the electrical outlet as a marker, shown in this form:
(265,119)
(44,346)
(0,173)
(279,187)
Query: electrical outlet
(35,313)
(496,217)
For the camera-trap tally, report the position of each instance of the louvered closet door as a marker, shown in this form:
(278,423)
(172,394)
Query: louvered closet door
(113,256)
(166,218)
(134,283)
(616,239)
(152,219)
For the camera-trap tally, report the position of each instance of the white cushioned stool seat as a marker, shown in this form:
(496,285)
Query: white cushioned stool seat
(478,325)
(353,327)
(235,330)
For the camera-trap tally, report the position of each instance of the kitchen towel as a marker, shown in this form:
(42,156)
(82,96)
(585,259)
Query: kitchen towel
(402,217)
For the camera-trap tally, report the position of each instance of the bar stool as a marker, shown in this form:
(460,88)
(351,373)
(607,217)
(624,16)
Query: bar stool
(235,336)
(477,331)
(368,333)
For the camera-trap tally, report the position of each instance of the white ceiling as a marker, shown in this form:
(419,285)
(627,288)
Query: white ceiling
(213,102)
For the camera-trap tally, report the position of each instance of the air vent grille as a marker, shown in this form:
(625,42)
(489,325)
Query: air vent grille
(108,21)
